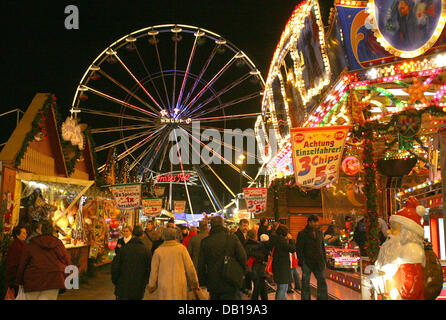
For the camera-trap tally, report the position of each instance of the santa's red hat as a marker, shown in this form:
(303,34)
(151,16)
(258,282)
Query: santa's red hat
(410,216)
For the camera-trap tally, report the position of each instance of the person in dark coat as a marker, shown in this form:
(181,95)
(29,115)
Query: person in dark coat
(210,261)
(193,247)
(241,234)
(130,269)
(264,228)
(13,256)
(332,237)
(311,253)
(148,235)
(242,231)
(257,254)
(283,245)
(42,266)
(360,236)
(127,232)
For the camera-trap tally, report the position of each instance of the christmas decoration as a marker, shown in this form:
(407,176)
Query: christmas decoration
(416,92)
(71,131)
(111,254)
(402,258)
(114,224)
(351,166)
(371,215)
(71,153)
(112,244)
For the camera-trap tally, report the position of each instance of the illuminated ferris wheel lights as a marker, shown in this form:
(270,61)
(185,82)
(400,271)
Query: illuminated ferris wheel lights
(95,68)
(199,33)
(176,29)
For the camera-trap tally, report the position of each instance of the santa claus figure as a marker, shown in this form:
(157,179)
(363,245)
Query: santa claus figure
(401,258)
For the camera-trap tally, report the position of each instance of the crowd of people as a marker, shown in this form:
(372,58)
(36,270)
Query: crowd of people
(179,263)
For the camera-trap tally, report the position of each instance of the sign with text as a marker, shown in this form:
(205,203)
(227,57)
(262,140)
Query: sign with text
(127,196)
(159,191)
(317,154)
(152,207)
(177,177)
(255,199)
(179,206)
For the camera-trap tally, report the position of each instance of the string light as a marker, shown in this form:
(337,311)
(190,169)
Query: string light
(417,187)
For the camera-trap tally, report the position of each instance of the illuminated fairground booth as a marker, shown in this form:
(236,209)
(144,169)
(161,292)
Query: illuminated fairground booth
(48,174)
(357,108)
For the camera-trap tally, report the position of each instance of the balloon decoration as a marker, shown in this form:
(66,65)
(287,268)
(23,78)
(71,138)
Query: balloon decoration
(112,244)
(114,223)
(111,254)
(351,166)
(114,234)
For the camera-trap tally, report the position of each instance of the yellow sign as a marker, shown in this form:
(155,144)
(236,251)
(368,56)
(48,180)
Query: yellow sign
(317,154)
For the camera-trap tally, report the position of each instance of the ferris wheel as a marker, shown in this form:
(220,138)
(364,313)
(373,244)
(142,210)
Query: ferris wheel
(144,92)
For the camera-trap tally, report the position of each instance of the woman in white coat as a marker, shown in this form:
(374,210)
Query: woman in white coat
(172,270)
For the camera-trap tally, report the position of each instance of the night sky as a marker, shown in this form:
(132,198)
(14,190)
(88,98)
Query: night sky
(40,55)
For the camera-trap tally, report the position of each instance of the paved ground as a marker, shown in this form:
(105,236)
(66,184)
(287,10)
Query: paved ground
(100,287)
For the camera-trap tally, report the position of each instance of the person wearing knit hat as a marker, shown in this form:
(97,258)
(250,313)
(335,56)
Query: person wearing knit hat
(401,256)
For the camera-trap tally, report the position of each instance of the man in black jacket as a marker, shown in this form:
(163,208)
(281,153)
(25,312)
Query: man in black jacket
(242,231)
(210,261)
(310,250)
(130,269)
(242,235)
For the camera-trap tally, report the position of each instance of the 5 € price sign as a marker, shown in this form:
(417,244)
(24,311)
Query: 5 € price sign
(255,199)
(317,154)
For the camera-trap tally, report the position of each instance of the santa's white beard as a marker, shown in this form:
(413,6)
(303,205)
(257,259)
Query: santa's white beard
(390,251)
(406,247)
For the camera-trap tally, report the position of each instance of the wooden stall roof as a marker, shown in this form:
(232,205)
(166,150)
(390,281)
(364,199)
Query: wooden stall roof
(15,142)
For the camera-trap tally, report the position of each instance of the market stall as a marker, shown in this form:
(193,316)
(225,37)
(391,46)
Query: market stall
(46,177)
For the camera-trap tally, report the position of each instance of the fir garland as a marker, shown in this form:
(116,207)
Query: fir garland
(35,128)
(371,216)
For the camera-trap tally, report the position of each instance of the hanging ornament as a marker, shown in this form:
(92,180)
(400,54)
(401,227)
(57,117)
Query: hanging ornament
(112,244)
(71,131)
(409,123)
(114,234)
(111,255)
(114,224)
(351,166)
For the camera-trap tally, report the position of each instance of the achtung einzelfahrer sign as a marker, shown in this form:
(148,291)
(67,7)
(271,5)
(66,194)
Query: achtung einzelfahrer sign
(317,154)
(255,199)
